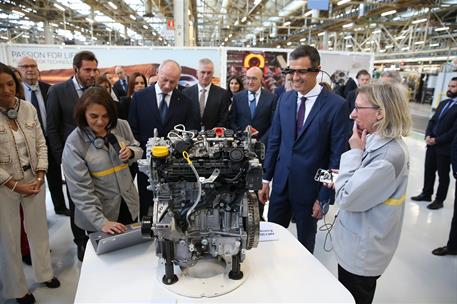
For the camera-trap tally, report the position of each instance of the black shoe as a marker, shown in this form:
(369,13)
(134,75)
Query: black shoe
(52,283)
(65,212)
(422,197)
(27,259)
(27,299)
(81,251)
(435,205)
(444,251)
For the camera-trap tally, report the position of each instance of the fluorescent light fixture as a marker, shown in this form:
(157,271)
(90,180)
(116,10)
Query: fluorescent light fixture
(18,13)
(257,2)
(373,24)
(244,19)
(389,46)
(287,23)
(222,43)
(90,20)
(145,26)
(230,35)
(289,43)
(132,17)
(330,49)
(377,32)
(388,13)
(321,34)
(405,48)
(236,23)
(248,46)
(419,21)
(434,44)
(367,49)
(226,39)
(419,42)
(357,29)
(399,37)
(348,37)
(308,13)
(348,25)
(3,37)
(303,39)
(382,51)
(60,7)
(444,28)
(278,46)
(349,45)
(342,2)
(113,6)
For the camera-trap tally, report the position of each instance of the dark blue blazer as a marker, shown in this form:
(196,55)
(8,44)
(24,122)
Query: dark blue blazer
(444,128)
(292,161)
(240,113)
(118,89)
(144,114)
(454,155)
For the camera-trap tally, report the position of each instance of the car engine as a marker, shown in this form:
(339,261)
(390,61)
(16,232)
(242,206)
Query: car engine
(204,199)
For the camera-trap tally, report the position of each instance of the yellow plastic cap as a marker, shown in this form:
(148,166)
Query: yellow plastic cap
(160,151)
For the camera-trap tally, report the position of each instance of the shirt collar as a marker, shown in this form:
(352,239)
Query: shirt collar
(200,88)
(76,84)
(33,87)
(256,92)
(314,92)
(159,91)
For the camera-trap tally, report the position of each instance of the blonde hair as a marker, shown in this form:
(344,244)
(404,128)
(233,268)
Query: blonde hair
(392,99)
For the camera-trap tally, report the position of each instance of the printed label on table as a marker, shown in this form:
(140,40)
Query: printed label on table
(267,232)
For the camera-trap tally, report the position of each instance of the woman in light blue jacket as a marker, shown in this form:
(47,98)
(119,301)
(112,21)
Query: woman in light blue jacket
(371,188)
(96,161)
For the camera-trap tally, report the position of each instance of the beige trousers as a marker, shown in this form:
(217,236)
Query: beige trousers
(36,226)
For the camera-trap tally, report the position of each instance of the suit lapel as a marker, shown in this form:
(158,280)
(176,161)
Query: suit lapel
(262,103)
(174,105)
(153,103)
(314,111)
(291,117)
(244,106)
(72,91)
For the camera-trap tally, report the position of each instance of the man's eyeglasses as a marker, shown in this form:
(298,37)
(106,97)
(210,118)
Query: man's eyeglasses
(289,70)
(357,108)
(26,66)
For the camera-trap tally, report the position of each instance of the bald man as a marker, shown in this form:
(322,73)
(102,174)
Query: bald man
(254,106)
(160,106)
(36,92)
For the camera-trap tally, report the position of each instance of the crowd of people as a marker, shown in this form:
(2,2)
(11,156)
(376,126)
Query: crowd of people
(97,130)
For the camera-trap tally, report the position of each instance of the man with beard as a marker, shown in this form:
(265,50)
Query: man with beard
(62,99)
(308,132)
(440,132)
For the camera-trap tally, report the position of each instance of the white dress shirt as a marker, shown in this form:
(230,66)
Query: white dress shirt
(257,96)
(311,97)
(79,89)
(159,96)
(200,88)
(28,88)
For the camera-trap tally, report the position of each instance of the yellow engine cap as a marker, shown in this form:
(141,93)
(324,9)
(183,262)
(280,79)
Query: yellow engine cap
(160,151)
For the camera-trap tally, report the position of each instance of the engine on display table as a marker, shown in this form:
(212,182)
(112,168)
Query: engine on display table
(204,199)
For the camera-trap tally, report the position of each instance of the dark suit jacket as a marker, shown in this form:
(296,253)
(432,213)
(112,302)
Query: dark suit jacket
(216,106)
(62,98)
(279,91)
(144,115)
(293,160)
(119,90)
(350,86)
(444,128)
(240,113)
(123,107)
(454,156)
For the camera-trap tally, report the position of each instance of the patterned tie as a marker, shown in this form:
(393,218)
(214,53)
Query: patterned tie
(163,108)
(34,101)
(201,101)
(301,115)
(124,85)
(252,104)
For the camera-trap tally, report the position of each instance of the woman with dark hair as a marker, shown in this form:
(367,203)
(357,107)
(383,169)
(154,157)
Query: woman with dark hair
(96,159)
(23,163)
(137,82)
(234,85)
(103,81)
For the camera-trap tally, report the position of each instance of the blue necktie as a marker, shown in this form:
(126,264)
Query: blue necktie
(34,101)
(163,108)
(252,104)
(124,85)
(301,115)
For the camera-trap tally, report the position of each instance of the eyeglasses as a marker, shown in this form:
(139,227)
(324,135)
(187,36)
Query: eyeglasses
(289,70)
(26,66)
(357,108)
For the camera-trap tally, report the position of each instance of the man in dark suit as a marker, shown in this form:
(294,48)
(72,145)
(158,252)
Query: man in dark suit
(36,92)
(210,100)
(308,132)
(253,107)
(62,98)
(160,106)
(363,78)
(451,247)
(441,129)
(120,87)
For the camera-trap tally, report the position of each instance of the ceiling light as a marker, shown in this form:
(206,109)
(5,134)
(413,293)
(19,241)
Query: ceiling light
(261,39)
(289,43)
(18,13)
(399,37)
(348,25)
(377,32)
(367,49)
(372,24)
(389,46)
(342,2)
(59,7)
(434,44)
(330,49)
(132,17)
(303,39)
(287,23)
(3,37)
(349,45)
(113,6)
(382,51)
(358,29)
(388,13)
(145,26)
(419,21)
(236,23)
(226,39)
(405,48)
(278,46)
(419,42)
(222,43)
(321,34)
(444,28)
(244,19)
(308,13)
(348,37)
(248,46)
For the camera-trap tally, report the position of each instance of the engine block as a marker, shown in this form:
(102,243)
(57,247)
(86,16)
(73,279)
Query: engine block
(204,200)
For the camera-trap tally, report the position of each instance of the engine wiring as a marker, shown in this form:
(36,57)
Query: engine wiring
(186,157)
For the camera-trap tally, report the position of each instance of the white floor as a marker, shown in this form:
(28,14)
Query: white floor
(414,276)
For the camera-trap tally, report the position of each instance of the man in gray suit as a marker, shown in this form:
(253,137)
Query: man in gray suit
(210,101)
(62,99)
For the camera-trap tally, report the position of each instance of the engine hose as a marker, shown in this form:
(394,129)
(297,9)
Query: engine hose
(185,155)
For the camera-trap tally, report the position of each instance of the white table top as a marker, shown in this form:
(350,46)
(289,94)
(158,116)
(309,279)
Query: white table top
(280,271)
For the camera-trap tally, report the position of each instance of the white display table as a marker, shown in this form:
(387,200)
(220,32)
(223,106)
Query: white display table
(280,271)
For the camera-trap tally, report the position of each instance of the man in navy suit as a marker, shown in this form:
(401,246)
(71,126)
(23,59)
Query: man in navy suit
(253,107)
(160,106)
(308,132)
(36,92)
(441,129)
(211,101)
(120,87)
